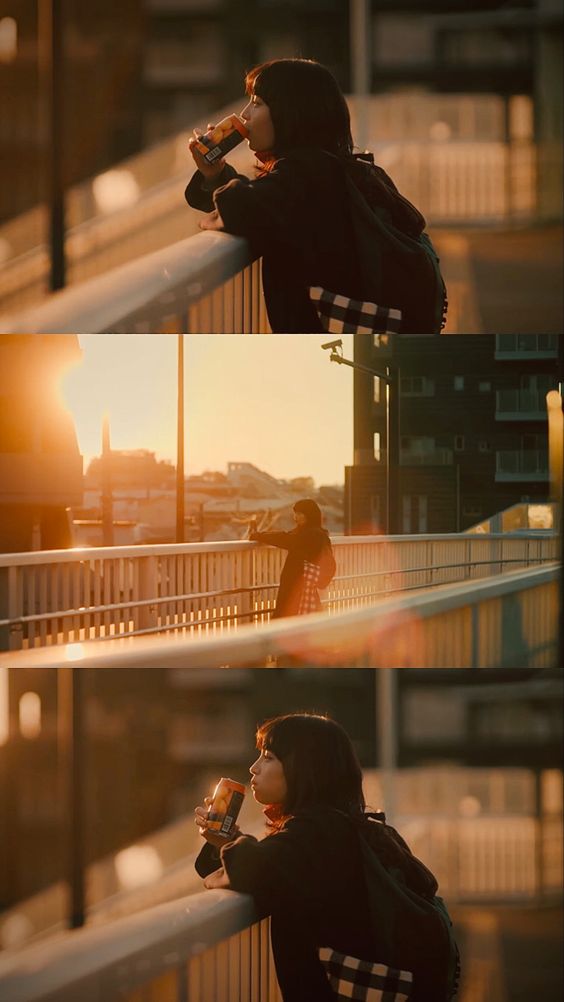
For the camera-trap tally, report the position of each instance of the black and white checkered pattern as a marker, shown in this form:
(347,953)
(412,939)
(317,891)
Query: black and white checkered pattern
(351,978)
(309,598)
(341,315)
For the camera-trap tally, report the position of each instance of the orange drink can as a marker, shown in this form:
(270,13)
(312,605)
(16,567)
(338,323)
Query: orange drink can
(225,137)
(225,806)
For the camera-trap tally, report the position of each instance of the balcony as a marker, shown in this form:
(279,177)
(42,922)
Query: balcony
(520,405)
(434,457)
(530,465)
(526,346)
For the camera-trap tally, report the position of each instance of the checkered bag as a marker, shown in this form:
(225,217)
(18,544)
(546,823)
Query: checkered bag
(341,315)
(351,978)
(309,598)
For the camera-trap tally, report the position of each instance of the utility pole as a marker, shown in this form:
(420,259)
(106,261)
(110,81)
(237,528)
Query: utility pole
(180,443)
(107,501)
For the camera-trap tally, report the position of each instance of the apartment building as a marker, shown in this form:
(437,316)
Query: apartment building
(468,433)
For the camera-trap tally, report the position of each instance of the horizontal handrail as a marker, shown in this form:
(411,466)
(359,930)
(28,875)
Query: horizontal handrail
(29,557)
(437,627)
(103,961)
(166,282)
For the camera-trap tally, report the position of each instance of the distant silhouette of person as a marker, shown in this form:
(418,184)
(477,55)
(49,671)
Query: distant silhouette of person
(310,872)
(309,562)
(298,212)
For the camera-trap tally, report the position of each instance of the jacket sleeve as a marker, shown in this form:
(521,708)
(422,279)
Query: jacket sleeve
(284,540)
(200,193)
(276,869)
(267,209)
(207,860)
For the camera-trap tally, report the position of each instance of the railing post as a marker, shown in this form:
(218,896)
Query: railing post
(146,616)
(246,580)
(11,607)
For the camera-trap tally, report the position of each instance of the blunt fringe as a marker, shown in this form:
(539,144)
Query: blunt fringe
(307,106)
(320,764)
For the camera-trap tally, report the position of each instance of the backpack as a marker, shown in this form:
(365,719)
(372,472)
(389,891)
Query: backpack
(327,566)
(409,920)
(394,263)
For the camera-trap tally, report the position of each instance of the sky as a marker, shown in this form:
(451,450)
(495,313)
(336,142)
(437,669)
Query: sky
(272,400)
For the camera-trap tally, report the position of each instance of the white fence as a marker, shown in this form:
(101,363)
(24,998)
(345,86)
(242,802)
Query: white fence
(508,621)
(71,596)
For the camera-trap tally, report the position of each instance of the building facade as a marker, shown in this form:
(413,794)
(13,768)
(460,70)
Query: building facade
(468,433)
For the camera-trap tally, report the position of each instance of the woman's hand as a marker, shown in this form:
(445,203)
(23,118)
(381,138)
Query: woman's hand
(209,171)
(217,879)
(201,820)
(211,221)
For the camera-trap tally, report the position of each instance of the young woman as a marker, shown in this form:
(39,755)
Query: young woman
(298,212)
(309,559)
(308,874)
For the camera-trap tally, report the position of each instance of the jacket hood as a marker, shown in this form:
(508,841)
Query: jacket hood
(381,193)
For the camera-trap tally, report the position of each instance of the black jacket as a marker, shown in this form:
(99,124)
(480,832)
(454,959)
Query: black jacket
(298,218)
(309,878)
(302,543)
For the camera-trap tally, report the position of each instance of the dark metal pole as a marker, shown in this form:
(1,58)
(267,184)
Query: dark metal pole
(71,772)
(107,499)
(180,445)
(393,444)
(51,49)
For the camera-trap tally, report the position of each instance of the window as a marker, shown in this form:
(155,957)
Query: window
(377,389)
(459,443)
(418,444)
(417,386)
(484,445)
(484,387)
(414,513)
(458,382)
(377,447)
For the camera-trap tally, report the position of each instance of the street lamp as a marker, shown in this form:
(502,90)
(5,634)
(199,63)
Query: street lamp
(391,379)
(386,679)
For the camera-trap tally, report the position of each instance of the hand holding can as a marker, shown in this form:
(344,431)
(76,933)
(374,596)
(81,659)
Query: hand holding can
(221,139)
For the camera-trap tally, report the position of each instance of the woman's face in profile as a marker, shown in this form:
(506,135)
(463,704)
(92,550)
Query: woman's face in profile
(299,517)
(256,116)
(268,782)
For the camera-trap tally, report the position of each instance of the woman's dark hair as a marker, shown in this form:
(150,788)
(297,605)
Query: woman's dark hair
(320,764)
(311,510)
(306,105)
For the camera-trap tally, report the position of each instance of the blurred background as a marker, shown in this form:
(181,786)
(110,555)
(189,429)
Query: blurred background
(472,779)
(462,107)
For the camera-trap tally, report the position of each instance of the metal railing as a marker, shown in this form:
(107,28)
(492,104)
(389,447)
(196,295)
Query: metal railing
(521,463)
(471,177)
(66,596)
(529,404)
(207,947)
(507,621)
(202,947)
(206,283)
